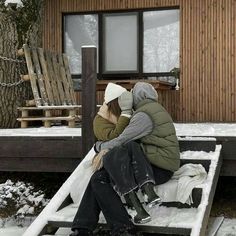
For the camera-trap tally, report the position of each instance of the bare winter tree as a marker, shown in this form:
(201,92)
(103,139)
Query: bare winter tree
(18,25)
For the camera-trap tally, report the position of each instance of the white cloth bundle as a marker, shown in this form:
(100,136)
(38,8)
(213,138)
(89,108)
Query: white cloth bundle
(184,180)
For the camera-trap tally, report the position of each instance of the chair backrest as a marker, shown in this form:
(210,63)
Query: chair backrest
(50,77)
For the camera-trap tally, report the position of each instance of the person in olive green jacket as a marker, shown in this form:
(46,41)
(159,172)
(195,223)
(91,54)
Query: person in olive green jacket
(153,128)
(111,120)
(108,124)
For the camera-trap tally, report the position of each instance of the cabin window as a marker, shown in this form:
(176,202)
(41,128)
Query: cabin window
(161,41)
(142,43)
(120,37)
(79,30)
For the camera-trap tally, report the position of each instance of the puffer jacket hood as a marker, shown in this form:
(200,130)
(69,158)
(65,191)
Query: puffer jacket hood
(143,91)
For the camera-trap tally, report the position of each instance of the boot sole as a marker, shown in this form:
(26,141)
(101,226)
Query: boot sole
(154,202)
(143,221)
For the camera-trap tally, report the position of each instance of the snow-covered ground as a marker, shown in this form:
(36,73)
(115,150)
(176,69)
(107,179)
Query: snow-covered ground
(11,228)
(20,199)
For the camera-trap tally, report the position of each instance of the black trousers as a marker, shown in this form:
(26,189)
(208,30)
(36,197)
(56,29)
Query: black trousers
(129,168)
(100,196)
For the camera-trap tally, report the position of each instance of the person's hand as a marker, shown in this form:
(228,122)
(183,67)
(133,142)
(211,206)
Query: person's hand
(97,162)
(126,103)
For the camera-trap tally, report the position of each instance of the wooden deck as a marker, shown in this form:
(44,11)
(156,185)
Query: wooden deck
(59,149)
(40,154)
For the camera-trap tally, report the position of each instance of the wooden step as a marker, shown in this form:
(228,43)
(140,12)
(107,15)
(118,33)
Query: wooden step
(197,144)
(165,220)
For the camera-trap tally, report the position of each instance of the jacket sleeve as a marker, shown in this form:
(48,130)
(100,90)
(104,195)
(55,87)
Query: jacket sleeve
(105,130)
(140,125)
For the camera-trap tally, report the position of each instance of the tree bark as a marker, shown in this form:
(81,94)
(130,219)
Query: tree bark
(15,96)
(10,97)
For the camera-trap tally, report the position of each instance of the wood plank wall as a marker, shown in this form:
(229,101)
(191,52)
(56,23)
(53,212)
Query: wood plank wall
(207,53)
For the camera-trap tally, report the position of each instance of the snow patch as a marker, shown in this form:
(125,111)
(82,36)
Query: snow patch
(17,2)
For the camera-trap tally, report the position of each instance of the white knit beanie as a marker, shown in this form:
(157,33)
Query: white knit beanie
(113,91)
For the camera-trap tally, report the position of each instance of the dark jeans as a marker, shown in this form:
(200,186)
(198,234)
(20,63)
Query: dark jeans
(100,196)
(129,168)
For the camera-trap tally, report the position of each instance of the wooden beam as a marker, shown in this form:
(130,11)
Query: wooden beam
(44,148)
(33,77)
(30,103)
(129,84)
(197,145)
(202,231)
(25,77)
(89,77)
(50,107)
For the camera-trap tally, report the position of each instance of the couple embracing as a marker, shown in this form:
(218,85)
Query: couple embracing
(137,148)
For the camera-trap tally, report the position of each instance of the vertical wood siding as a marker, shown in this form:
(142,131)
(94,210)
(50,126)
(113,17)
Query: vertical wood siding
(207,52)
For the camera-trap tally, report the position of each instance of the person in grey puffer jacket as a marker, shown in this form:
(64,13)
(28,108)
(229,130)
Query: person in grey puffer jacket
(152,128)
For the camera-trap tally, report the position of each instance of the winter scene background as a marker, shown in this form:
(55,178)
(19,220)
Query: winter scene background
(24,195)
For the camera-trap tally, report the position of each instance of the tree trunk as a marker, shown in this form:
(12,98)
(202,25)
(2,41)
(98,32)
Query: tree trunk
(13,33)
(10,97)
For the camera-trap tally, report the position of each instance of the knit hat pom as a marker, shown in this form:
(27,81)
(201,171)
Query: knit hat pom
(113,91)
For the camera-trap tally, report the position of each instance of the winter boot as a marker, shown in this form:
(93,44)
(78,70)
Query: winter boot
(152,197)
(128,202)
(142,216)
(81,232)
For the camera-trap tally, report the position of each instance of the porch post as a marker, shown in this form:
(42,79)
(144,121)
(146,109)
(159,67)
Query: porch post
(89,77)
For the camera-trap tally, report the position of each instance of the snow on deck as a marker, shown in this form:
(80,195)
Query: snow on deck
(182,129)
(42,132)
(206,129)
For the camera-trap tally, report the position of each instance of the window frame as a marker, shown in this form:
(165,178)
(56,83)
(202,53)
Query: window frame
(140,39)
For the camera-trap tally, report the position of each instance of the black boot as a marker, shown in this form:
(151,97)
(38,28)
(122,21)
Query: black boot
(128,202)
(142,216)
(81,232)
(152,197)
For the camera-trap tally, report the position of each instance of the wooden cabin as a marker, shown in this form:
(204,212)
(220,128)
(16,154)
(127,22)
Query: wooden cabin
(200,38)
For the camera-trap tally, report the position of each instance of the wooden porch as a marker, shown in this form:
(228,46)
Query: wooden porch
(59,149)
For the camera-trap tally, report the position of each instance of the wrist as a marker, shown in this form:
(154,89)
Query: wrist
(126,113)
